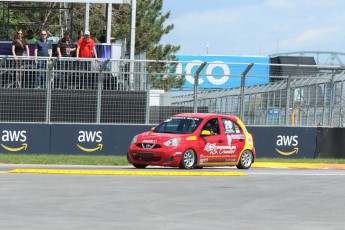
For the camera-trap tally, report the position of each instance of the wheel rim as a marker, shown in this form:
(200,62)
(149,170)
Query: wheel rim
(189,158)
(246,158)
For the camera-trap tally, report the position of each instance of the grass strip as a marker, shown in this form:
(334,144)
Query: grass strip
(60,159)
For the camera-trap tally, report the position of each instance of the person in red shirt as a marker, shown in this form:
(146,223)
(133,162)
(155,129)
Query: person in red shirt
(86,47)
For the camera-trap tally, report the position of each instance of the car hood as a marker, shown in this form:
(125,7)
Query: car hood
(158,137)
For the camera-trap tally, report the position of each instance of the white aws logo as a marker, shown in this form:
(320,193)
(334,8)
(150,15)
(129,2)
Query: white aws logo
(14,136)
(90,136)
(287,141)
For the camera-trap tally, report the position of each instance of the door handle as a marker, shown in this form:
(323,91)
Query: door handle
(220,141)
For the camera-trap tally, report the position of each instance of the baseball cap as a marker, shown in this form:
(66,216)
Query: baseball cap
(66,32)
(87,32)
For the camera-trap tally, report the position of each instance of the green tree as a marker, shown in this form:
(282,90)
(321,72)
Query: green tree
(150,28)
(50,16)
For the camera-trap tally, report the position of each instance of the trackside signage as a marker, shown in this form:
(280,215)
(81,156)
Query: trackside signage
(93,139)
(24,138)
(284,142)
(222,71)
(89,139)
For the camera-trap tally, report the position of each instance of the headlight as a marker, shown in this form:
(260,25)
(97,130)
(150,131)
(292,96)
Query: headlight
(249,140)
(173,142)
(134,140)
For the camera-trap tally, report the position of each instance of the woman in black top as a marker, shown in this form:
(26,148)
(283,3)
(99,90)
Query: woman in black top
(19,48)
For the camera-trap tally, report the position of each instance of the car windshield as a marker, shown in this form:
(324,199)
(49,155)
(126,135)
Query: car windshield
(178,125)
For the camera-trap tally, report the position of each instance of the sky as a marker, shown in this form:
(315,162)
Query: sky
(255,27)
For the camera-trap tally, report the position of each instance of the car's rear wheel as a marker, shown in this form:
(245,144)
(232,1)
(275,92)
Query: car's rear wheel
(139,166)
(246,160)
(188,160)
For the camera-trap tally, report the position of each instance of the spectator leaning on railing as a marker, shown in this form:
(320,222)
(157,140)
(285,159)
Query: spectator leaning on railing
(86,47)
(43,48)
(65,47)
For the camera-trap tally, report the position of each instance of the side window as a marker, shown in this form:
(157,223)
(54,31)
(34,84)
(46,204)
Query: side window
(237,128)
(213,126)
(230,126)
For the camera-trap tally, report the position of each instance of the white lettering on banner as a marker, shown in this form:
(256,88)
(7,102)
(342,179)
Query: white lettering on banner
(209,71)
(10,135)
(224,78)
(287,140)
(90,136)
(189,74)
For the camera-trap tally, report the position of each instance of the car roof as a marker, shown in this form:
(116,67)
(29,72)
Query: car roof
(204,115)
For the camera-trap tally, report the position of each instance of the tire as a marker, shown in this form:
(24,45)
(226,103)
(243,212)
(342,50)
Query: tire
(188,160)
(246,160)
(139,166)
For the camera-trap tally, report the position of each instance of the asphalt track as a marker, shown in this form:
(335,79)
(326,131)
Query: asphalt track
(267,196)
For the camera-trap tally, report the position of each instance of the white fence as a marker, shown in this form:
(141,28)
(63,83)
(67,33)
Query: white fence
(143,92)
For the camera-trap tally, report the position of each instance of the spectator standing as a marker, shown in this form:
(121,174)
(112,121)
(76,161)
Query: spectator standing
(86,49)
(65,47)
(30,39)
(43,48)
(19,48)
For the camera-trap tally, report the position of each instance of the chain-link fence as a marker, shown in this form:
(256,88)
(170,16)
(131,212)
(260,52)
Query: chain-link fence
(145,92)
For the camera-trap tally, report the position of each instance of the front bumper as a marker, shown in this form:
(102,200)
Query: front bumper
(172,157)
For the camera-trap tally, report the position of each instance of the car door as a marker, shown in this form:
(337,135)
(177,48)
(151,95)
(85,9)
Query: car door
(213,147)
(235,139)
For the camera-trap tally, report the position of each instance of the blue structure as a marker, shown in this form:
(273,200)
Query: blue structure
(223,71)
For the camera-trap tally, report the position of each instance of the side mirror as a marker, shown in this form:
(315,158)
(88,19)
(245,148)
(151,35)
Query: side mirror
(205,133)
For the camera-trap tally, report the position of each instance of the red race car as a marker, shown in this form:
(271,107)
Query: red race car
(194,140)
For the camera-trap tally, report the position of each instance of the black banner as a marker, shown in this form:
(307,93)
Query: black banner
(93,139)
(330,143)
(24,138)
(90,139)
(284,142)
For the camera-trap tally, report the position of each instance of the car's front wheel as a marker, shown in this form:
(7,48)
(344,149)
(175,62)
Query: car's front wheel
(139,166)
(188,160)
(246,160)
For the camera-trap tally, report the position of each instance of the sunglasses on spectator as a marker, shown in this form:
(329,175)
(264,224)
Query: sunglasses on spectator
(43,34)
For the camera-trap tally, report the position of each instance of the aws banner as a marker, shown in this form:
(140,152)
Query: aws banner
(88,139)
(222,71)
(24,138)
(93,139)
(284,142)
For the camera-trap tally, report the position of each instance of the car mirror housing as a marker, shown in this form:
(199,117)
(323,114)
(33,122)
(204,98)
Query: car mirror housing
(205,133)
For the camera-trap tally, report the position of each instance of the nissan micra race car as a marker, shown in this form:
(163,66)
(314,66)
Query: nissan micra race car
(194,140)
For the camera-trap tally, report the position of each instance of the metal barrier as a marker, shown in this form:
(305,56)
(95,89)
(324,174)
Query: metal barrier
(53,90)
